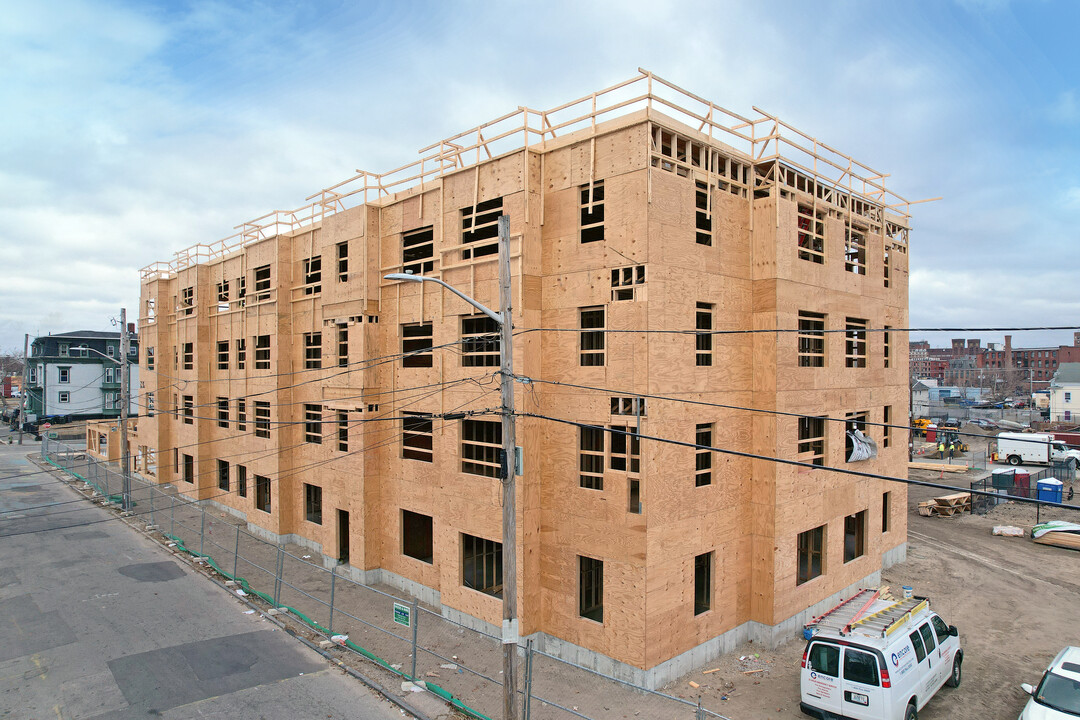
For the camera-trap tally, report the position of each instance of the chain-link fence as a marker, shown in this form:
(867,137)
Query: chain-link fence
(459,663)
(1019,483)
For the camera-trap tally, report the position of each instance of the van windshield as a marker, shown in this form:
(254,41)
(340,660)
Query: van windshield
(1060,693)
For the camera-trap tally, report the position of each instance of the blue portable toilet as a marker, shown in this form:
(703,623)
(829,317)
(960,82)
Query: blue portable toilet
(1050,490)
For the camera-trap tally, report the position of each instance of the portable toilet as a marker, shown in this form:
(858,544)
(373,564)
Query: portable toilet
(1022,484)
(1050,490)
(931,433)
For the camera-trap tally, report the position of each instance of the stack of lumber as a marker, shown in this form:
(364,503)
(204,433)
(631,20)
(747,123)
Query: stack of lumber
(1057,533)
(938,467)
(946,505)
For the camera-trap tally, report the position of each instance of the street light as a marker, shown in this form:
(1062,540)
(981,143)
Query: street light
(125,403)
(509,511)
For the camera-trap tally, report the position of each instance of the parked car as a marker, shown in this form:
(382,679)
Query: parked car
(1058,693)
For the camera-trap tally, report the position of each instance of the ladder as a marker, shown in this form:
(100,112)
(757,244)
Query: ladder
(887,620)
(843,616)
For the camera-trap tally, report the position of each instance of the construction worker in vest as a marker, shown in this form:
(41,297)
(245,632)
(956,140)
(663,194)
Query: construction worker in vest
(941,449)
(952,449)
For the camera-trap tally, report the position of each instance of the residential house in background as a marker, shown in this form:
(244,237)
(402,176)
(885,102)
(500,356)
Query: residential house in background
(1065,393)
(79,374)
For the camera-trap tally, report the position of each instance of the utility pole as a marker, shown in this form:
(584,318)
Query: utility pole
(509,509)
(125,402)
(24,395)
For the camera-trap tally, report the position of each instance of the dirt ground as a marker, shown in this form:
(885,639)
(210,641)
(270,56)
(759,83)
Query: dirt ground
(1015,602)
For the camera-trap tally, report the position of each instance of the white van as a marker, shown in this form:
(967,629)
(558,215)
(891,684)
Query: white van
(1017,448)
(874,659)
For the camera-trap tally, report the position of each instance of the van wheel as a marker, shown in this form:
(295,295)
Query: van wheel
(1014,459)
(911,713)
(954,679)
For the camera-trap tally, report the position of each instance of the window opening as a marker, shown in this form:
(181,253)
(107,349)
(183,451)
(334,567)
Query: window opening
(343,346)
(703,214)
(223,475)
(591,588)
(704,337)
(262,283)
(480,341)
(187,300)
(481,565)
(312,350)
(811,339)
(149,358)
(703,457)
(628,406)
(592,336)
(262,493)
(812,440)
(481,443)
(262,418)
(855,250)
(241,353)
(478,223)
(702,583)
(811,234)
(418,250)
(343,431)
(592,212)
(810,549)
(223,355)
(189,356)
(313,275)
(262,352)
(313,423)
(417,437)
(241,414)
(189,410)
(591,462)
(885,498)
(241,481)
(855,342)
(313,503)
(343,262)
(854,536)
(417,536)
(624,282)
(416,345)
(223,412)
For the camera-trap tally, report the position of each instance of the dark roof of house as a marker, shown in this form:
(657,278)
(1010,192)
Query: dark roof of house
(1067,373)
(95,334)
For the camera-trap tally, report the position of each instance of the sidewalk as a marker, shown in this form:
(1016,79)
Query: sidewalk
(460,666)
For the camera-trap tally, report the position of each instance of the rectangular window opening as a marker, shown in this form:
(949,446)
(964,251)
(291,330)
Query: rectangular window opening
(241,481)
(810,549)
(703,204)
(702,583)
(592,212)
(481,446)
(313,503)
(312,350)
(812,440)
(313,424)
(591,588)
(418,250)
(262,493)
(480,341)
(262,352)
(591,321)
(811,339)
(703,457)
(262,418)
(855,342)
(417,437)
(811,234)
(480,222)
(417,340)
(481,565)
(704,337)
(417,536)
(223,475)
(854,536)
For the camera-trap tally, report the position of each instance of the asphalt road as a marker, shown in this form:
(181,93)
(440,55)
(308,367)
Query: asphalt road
(99,622)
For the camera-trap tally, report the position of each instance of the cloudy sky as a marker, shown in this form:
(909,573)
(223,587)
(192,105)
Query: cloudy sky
(131,130)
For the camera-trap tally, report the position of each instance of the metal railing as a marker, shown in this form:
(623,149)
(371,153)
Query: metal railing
(459,663)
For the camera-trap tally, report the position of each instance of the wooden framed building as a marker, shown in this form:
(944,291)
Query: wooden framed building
(680,272)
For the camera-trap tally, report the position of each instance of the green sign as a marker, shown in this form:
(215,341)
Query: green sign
(402,614)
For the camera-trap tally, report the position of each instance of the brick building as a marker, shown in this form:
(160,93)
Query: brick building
(299,389)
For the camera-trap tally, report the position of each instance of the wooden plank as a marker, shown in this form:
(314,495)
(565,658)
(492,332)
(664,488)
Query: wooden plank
(1060,539)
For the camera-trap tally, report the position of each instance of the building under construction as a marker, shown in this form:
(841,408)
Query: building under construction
(680,272)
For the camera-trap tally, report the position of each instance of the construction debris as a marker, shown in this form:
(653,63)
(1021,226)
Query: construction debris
(1008,531)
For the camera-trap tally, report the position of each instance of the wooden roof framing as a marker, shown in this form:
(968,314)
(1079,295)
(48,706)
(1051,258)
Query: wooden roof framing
(760,139)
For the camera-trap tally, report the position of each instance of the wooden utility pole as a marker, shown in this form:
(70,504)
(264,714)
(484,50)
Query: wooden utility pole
(125,400)
(24,391)
(509,509)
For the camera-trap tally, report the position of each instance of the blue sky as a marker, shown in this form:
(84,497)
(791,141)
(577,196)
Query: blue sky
(134,129)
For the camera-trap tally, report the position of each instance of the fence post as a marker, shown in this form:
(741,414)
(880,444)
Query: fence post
(236,552)
(152,490)
(333,582)
(415,623)
(202,527)
(700,714)
(526,701)
(172,517)
(278,572)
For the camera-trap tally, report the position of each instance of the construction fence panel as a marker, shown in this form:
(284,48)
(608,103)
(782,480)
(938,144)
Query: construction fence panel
(459,662)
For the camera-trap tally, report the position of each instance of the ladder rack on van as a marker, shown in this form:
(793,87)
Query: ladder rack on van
(844,615)
(887,620)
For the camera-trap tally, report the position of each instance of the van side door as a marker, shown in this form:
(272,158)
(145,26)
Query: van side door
(821,678)
(924,668)
(863,697)
(947,646)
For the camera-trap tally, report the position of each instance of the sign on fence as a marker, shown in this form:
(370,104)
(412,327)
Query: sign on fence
(402,614)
